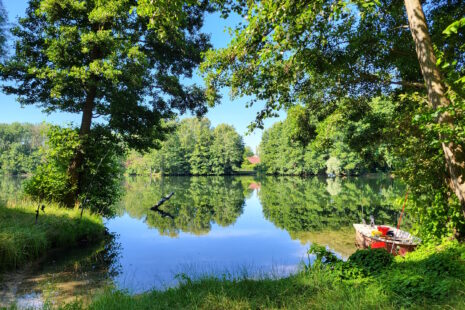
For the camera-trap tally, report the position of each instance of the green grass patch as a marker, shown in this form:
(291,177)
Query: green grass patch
(432,277)
(22,240)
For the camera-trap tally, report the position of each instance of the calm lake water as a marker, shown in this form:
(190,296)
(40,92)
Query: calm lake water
(221,226)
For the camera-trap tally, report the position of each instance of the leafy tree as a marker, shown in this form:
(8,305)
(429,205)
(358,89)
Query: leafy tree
(192,148)
(50,181)
(200,159)
(316,53)
(436,88)
(227,149)
(172,157)
(301,125)
(139,164)
(305,145)
(120,60)
(248,151)
(246,164)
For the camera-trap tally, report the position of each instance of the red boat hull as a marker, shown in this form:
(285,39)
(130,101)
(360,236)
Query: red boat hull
(395,248)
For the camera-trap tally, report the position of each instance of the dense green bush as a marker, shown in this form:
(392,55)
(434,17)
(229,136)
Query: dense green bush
(361,264)
(430,273)
(434,205)
(102,169)
(371,260)
(50,181)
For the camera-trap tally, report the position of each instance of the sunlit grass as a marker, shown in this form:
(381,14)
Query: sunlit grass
(436,283)
(23,240)
(316,290)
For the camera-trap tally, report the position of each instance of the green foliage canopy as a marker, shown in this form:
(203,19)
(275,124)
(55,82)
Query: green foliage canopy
(3,32)
(293,52)
(337,144)
(121,60)
(321,53)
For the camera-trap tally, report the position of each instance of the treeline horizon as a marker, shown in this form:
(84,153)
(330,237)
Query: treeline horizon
(332,142)
(194,147)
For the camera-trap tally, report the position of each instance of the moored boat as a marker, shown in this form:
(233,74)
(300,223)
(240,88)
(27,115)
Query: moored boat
(395,241)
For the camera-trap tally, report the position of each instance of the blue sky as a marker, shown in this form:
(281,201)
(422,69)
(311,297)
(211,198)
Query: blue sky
(229,111)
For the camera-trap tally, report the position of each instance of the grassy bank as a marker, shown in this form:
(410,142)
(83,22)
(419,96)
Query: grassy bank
(22,240)
(432,277)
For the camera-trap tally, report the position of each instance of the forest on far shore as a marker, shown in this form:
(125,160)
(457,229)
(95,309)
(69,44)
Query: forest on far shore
(193,147)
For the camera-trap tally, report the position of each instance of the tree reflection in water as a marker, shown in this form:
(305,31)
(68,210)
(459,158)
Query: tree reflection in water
(198,202)
(323,210)
(297,204)
(291,203)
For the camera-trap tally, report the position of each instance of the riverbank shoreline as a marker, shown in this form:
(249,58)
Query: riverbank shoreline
(406,283)
(263,174)
(23,238)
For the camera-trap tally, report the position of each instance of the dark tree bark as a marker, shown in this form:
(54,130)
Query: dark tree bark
(454,153)
(75,167)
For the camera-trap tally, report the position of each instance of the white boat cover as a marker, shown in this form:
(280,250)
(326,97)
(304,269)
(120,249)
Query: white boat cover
(400,236)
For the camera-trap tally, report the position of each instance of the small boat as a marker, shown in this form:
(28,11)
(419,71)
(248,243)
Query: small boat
(395,241)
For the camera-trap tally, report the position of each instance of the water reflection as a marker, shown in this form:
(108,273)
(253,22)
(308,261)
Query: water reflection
(303,205)
(10,187)
(62,276)
(198,202)
(291,203)
(213,225)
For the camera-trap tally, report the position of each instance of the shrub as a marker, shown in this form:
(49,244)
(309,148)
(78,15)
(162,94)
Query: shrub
(102,170)
(371,260)
(360,264)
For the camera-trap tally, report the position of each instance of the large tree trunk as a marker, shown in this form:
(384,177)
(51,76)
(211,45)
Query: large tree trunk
(454,153)
(75,166)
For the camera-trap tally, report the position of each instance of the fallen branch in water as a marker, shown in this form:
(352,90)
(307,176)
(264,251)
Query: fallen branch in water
(164,214)
(162,201)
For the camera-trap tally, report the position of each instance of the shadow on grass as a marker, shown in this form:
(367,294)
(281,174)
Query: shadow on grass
(23,240)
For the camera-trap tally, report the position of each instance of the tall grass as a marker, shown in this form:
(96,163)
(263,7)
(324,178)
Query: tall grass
(306,290)
(431,278)
(23,240)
